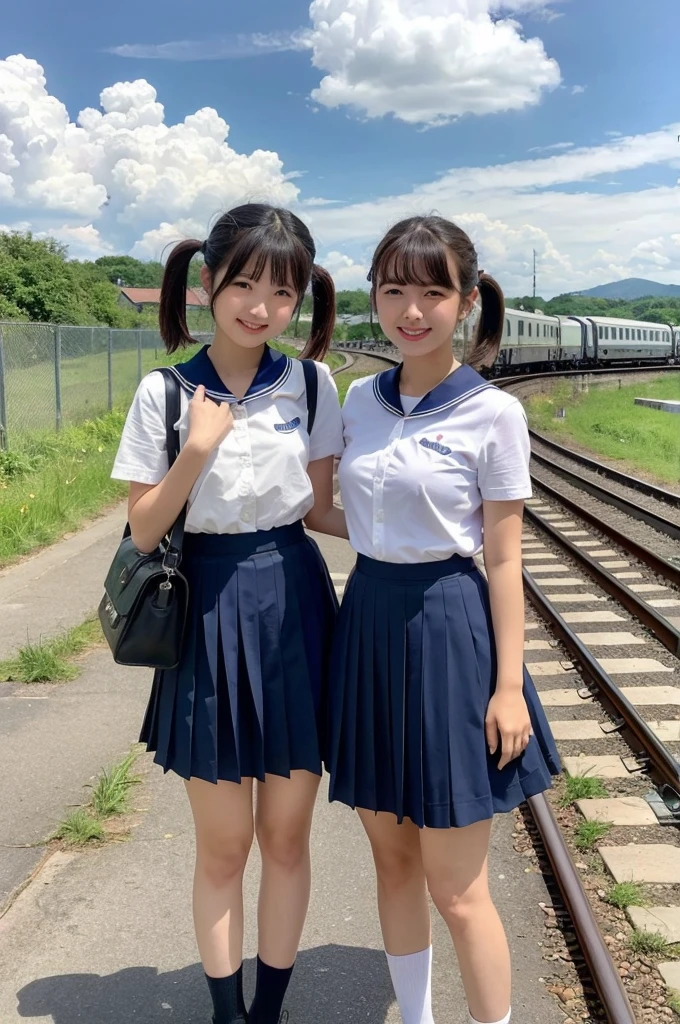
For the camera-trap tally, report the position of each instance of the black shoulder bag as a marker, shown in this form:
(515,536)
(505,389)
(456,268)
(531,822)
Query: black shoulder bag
(144,608)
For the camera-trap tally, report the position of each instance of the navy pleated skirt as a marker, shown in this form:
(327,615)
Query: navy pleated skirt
(413,670)
(248,695)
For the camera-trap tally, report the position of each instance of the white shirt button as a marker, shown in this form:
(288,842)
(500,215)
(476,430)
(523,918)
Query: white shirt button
(246,516)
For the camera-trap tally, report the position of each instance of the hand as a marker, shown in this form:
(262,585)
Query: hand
(209,423)
(508,715)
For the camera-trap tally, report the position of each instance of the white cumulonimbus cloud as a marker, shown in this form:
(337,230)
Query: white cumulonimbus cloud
(121,167)
(120,179)
(426,62)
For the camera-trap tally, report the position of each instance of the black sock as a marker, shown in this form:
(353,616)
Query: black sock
(270,989)
(227,997)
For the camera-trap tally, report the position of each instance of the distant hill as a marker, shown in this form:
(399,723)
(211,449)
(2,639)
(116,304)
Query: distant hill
(631,288)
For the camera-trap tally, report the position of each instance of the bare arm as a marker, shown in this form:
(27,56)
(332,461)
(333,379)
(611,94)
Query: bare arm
(503,562)
(152,509)
(324,517)
(507,713)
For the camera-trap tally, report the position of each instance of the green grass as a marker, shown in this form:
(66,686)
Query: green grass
(50,483)
(673,1000)
(50,661)
(109,798)
(626,894)
(641,941)
(112,790)
(582,787)
(79,829)
(587,833)
(609,423)
(343,381)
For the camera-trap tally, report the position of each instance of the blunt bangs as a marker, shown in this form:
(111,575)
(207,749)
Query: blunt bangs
(417,257)
(289,261)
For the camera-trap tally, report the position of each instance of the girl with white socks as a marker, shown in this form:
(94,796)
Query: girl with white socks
(434,723)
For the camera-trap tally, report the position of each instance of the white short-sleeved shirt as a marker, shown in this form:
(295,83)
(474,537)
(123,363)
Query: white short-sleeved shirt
(257,478)
(414,474)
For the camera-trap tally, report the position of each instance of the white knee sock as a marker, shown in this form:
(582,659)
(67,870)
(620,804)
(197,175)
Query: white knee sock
(412,980)
(506,1019)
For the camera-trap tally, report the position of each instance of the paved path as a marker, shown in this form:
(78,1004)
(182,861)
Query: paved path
(106,937)
(58,587)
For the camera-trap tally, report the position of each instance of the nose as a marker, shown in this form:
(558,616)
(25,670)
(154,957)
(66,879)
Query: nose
(412,312)
(259,311)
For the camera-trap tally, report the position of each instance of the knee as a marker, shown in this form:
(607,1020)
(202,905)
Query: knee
(222,864)
(396,868)
(459,909)
(288,849)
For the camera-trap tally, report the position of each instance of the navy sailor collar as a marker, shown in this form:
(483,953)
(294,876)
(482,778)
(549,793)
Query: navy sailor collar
(274,369)
(461,384)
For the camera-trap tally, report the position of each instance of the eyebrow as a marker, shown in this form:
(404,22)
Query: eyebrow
(249,277)
(430,284)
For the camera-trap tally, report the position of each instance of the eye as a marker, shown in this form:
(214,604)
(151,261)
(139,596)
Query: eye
(392,291)
(286,292)
(241,284)
(435,291)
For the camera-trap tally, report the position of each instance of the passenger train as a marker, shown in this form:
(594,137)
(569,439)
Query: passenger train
(534,341)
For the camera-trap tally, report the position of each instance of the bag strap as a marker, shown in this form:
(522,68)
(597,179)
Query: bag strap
(173,407)
(312,388)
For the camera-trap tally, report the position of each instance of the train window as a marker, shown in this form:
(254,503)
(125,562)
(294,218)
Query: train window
(520,327)
(627,333)
(530,328)
(621,333)
(601,332)
(552,331)
(509,328)
(639,337)
(657,335)
(644,335)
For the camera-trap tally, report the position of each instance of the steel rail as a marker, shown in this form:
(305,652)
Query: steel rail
(662,629)
(651,490)
(652,754)
(657,563)
(605,371)
(603,971)
(631,508)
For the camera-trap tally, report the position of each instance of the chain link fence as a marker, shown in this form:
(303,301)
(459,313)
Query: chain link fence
(53,375)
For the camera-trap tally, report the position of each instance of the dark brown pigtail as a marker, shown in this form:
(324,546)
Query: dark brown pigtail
(172,316)
(323,315)
(490,326)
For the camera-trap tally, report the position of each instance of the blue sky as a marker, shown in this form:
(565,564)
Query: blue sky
(422,108)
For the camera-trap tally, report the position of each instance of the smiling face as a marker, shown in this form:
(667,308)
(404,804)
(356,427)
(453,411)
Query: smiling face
(420,317)
(251,311)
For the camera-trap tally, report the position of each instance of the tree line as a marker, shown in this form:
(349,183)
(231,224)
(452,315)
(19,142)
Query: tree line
(39,283)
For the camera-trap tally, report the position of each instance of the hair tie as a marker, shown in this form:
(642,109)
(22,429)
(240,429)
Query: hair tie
(480,275)
(203,246)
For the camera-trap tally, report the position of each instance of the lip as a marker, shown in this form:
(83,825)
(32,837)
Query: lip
(251,330)
(422,333)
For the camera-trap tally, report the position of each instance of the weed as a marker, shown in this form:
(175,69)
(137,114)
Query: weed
(642,941)
(79,829)
(111,792)
(49,661)
(587,833)
(625,894)
(582,787)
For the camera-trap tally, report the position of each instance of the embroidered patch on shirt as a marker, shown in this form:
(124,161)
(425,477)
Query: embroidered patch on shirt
(287,428)
(435,446)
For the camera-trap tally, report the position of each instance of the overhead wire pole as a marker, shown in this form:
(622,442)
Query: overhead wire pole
(534,273)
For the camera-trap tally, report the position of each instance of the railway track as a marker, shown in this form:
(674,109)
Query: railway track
(594,555)
(602,579)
